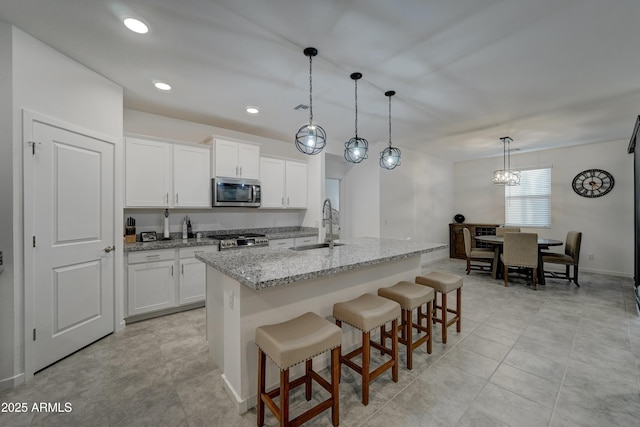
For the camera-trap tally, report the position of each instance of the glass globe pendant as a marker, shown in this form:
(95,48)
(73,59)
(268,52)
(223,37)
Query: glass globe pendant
(390,156)
(310,138)
(356,148)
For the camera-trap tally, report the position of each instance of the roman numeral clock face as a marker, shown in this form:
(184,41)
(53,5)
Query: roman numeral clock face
(593,183)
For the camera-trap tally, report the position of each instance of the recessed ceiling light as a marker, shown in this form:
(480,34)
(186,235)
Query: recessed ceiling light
(252,110)
(136,25)
(162,86)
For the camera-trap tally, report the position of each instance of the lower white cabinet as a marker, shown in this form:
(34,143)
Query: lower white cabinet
(193,277)
(151,281)
(165,279)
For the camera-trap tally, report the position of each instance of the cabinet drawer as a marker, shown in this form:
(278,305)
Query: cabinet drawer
(309,240)
(281,243)
(191,252)
(150,256)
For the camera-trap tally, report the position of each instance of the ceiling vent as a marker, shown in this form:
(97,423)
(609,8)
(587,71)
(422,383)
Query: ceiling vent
(301,107)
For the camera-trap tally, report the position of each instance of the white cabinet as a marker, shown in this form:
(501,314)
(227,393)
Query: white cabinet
(191,176)
(148,173)
(284,183)
(235,159)
(165,279)
(151,281)
(163,174)
(192,282)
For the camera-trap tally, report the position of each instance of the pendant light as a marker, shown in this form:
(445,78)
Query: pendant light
(311,138)
(506,176)
(356,148)
(390,156)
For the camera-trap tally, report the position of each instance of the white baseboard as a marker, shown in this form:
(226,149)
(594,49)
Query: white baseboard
(13,382)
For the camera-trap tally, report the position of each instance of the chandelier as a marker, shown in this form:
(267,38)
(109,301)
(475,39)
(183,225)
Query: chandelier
(506,175)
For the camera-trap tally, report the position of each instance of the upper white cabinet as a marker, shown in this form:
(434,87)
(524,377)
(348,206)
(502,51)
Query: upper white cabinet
(163,174)
(284,183)
(191,176)
(235,159)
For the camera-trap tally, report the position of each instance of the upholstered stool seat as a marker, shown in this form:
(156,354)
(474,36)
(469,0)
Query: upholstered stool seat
(287,344)
(410,296)
(444,283)
(366,313)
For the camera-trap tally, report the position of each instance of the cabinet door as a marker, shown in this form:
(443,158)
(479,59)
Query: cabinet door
(249,161)
(192,281)
(226,158)
(272,182)
(148,173)
(191,171)
(296,185)
(151,286)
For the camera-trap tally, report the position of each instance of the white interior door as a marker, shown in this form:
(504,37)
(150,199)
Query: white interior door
(73,241)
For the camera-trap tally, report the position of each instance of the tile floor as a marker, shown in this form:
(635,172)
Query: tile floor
(561,356)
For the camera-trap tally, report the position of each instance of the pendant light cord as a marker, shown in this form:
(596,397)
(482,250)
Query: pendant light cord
(390,121)
(310,92)
(356,80)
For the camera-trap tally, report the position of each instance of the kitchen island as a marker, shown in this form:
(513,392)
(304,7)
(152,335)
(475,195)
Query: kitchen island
(251,287)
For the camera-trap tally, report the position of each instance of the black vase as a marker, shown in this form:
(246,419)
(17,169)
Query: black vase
(459,218)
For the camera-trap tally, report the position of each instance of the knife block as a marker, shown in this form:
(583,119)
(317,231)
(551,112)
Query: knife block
(129,234)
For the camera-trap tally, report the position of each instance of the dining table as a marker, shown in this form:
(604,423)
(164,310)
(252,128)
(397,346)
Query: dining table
(498,241)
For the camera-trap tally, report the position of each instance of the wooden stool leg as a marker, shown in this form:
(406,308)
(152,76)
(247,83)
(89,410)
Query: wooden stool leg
(262,360)
(394,350)
(444,318)
(339,324)
(459,309)
(429,327)
(284,398)
(335,386)
(383,330)
(307,383)
(407,334)
(366,362)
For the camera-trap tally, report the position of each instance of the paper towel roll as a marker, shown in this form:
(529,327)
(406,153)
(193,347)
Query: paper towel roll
(166,228)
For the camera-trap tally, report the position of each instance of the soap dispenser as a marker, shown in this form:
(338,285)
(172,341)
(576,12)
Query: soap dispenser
(184,228)
(165,234)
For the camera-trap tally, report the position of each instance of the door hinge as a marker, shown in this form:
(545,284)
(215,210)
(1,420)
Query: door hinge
(34,334)
(34,241)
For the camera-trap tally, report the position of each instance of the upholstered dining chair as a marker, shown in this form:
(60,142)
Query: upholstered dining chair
(476,254)
(520,250)
(571,257)
(501,230)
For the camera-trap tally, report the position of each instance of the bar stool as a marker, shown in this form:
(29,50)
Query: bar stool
(366,313)
(287,344)
(410,296)
(444,283)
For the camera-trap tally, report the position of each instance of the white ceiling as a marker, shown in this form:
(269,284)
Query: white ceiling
(548,73)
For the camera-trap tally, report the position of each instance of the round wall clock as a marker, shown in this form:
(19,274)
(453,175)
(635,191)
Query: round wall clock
(593,183)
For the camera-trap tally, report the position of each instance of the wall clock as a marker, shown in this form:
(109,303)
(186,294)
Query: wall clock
(593,183)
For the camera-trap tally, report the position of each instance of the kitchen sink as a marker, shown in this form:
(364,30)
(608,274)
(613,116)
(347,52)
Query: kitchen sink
(315,246)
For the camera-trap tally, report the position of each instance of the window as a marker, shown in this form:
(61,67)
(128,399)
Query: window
(529,204)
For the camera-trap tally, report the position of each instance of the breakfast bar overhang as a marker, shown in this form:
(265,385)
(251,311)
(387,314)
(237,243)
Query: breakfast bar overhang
(253,287)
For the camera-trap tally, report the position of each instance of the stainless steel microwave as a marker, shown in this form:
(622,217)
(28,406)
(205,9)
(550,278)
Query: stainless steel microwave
(235,192)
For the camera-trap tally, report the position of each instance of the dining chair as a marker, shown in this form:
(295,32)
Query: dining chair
(520,250)
(501,230)
(476,254)
(571,257)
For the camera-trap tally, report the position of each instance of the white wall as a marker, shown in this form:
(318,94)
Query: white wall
(606,222)
(47,82)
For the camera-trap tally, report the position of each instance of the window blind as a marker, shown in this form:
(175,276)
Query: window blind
(529,204)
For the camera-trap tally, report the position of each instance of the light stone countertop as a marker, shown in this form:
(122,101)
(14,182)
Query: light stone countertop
(260,268)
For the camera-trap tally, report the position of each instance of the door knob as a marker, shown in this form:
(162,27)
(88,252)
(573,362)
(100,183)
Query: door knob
(109,249)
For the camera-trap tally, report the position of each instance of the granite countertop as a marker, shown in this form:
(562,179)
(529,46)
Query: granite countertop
(260,268)
(177,242)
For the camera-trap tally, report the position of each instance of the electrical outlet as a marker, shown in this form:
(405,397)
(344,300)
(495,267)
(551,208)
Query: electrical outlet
(590,257)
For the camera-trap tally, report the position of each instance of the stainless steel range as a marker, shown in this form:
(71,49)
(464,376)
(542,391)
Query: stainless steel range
(234,241)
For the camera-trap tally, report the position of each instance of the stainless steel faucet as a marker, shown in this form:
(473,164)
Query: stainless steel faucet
(330,219)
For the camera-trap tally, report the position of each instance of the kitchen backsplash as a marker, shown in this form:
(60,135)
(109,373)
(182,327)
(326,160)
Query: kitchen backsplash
(213,219)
